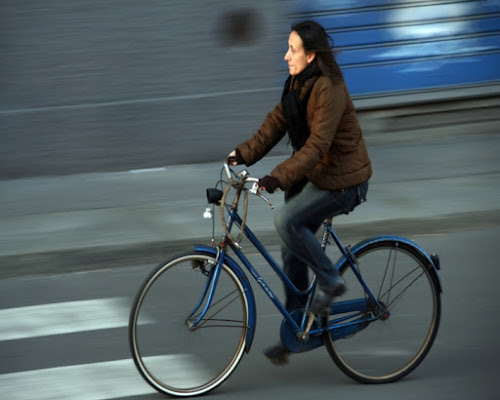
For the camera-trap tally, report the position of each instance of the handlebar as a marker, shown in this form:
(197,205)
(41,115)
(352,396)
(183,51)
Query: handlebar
(219,197)
(228,171)
(244,178)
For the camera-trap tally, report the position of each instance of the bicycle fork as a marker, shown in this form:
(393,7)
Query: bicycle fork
(193,321)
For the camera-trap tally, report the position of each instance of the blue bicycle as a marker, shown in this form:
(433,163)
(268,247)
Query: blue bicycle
(194,316)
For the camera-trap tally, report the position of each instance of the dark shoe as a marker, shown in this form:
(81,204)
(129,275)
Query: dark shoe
(277,354)
(323,296)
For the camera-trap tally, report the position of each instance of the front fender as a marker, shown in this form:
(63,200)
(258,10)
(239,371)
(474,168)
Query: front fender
(246,285)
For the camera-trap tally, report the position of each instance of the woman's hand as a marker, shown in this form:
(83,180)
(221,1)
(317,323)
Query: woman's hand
(234,158)
(269,183)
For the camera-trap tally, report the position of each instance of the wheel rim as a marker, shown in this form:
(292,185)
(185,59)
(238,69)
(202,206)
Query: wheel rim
(173,358)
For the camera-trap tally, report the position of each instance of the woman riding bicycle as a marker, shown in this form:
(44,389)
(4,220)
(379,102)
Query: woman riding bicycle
(329,169)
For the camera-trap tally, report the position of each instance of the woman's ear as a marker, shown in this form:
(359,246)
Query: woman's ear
(310,56)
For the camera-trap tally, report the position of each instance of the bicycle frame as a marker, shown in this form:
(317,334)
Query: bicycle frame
(338,328)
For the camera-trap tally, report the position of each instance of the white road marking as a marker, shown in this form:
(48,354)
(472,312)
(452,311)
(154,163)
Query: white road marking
(61,318)
(133,101)
(98,381)
(147,170)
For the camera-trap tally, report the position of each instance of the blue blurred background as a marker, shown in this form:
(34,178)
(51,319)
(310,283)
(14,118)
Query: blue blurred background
(390,47)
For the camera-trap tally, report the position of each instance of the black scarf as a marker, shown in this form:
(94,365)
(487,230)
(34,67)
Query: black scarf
(294,108)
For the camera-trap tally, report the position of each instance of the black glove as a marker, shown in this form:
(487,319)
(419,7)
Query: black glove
(270,183)
(238,158)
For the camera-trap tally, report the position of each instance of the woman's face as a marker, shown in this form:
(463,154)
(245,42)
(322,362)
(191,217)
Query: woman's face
(298,59)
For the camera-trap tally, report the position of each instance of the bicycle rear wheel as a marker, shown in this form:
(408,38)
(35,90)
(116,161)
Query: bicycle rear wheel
(171,355)
(396,342)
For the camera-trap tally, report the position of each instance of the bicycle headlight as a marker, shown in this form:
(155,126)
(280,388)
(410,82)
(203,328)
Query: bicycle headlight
(214,196)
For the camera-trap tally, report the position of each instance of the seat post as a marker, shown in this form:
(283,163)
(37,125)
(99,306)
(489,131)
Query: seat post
(324,238)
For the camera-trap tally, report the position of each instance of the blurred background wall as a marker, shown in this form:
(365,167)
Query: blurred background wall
(95,86)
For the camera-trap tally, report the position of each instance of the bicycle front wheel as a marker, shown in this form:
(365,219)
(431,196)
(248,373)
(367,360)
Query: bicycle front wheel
(400,335)
(178,348)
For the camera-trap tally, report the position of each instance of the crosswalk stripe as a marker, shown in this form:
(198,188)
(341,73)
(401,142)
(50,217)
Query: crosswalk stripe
(62,318)
(98,381)
(95,381)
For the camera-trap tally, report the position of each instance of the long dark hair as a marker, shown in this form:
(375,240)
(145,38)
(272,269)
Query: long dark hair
(315,38)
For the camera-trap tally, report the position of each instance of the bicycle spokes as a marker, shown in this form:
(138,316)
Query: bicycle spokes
(396,287)
(394,332)
(213,310)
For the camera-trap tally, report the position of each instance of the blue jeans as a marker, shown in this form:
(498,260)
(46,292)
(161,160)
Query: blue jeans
(297,223)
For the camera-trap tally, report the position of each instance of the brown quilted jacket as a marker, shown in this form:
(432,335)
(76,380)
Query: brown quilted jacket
(334,156)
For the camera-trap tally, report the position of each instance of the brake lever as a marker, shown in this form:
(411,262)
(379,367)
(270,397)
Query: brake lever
(255,190)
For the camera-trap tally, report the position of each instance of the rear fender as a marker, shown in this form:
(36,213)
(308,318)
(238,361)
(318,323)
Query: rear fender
(433,261)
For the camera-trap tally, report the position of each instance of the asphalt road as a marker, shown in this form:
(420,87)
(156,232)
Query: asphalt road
(64,336)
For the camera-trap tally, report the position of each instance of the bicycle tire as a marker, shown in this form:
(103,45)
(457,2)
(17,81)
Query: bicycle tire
(171,357)
(390,347)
